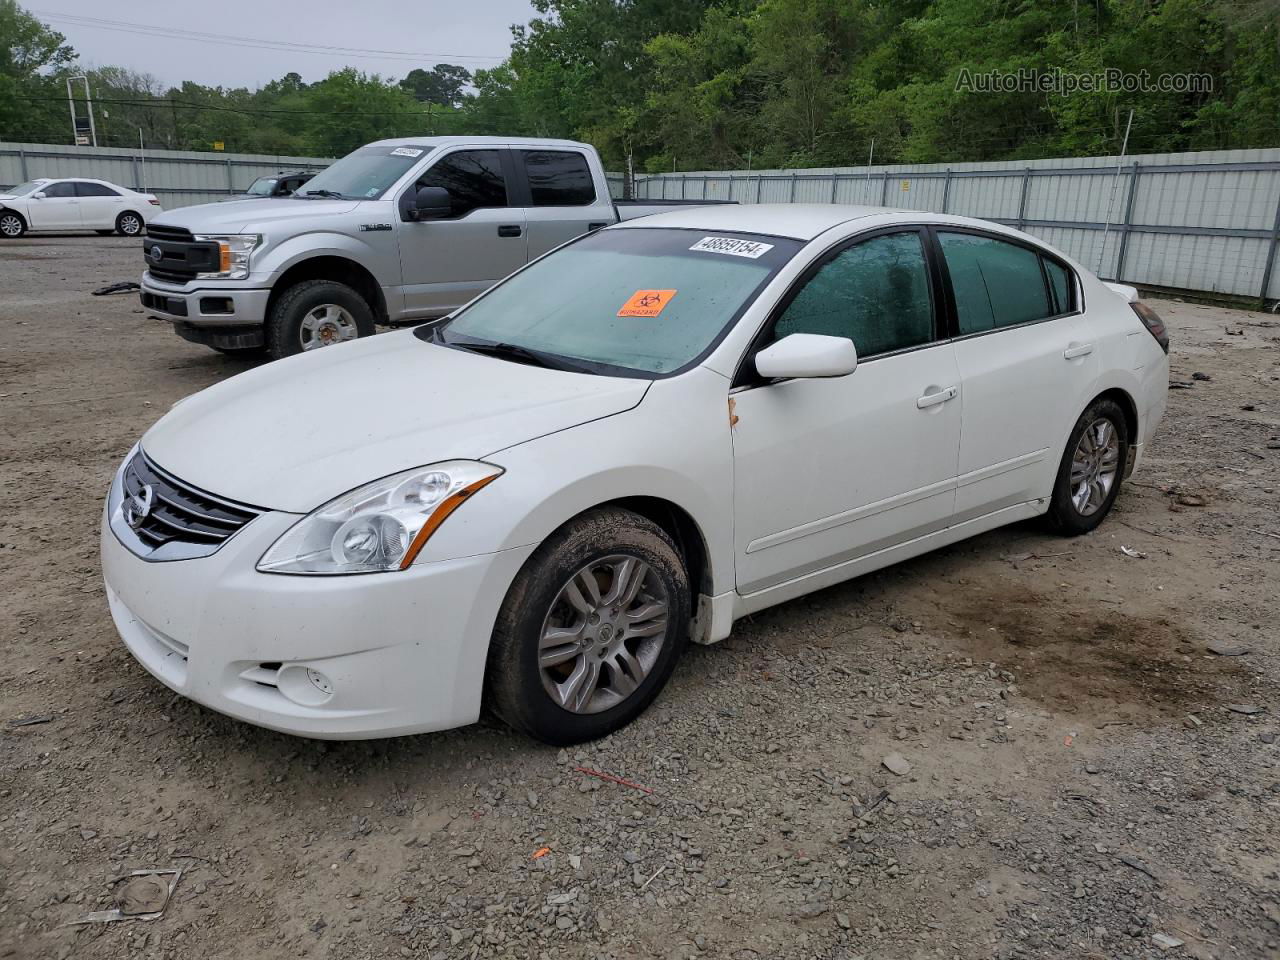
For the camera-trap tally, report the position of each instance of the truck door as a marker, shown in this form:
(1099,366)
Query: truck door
(445,263)
(562,201)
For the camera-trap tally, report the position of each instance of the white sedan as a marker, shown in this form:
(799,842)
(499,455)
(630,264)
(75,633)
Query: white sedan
(75,204)
(648,433)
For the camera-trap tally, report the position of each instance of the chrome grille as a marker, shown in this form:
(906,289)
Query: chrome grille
(180,513)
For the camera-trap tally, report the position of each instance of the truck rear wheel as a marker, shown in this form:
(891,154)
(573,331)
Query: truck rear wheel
(314,314)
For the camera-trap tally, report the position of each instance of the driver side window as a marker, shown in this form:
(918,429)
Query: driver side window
(875,292)
(473,178)
(60,190)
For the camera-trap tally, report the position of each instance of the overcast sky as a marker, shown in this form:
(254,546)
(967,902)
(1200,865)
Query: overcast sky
(473,34)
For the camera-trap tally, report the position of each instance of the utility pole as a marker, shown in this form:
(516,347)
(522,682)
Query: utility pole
(76,135)
(1115,184)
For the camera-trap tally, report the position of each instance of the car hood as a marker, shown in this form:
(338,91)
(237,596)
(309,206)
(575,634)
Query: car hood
(252,217)
(8,196)
(293,434)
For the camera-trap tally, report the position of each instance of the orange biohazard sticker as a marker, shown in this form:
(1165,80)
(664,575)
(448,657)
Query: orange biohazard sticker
(646,303)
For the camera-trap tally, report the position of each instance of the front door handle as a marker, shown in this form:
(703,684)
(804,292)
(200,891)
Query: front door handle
(1077,350)
(509,230)
(940,396)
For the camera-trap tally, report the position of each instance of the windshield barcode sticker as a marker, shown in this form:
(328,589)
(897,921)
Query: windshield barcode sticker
(406,152)
(733,247)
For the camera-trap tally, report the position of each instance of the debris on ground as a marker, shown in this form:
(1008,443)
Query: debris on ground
(143,896)
(897,764)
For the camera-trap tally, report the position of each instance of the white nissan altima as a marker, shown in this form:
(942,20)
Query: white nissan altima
(652,431)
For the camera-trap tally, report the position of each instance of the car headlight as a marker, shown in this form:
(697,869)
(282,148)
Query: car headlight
(234,250)
(380,526)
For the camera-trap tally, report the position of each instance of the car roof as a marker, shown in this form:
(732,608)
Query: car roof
(803,221)
(806,221)
(480,142)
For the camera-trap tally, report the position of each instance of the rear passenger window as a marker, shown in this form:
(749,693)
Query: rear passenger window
(1059,285)
(473,178)
(559,179)
(996,284)
(876,293)
(94,190)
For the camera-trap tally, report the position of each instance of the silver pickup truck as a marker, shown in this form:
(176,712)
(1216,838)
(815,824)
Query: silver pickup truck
(398,231)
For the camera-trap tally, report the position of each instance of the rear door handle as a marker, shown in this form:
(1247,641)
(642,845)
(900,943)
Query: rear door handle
(509,230)
(1077,350)
(933,399)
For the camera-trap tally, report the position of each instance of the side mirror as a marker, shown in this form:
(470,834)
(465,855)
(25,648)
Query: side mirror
(807,355)
(38,195)
(432,203)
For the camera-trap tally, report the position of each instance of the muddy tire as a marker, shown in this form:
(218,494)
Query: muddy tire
(314,314)
(591,629)
(1091,471)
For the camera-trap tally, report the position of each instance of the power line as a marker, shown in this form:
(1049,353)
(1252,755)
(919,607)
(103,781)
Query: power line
(169,103)
(176,33)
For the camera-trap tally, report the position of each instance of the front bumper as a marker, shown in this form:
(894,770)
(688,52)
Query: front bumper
(347,657)
(198,305)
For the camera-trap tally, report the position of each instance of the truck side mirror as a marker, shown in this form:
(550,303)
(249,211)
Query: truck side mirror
(431,203)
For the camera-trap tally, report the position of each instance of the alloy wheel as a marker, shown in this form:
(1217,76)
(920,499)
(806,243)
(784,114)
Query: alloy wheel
(11,226)
(1095,466)
(603,634)
(130,225)
(325,325)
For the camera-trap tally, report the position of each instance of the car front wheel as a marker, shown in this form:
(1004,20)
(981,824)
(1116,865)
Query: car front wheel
(12,225)
(1091,470)
(590,630)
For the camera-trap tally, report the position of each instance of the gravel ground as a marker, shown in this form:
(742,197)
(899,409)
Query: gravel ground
(1021,746)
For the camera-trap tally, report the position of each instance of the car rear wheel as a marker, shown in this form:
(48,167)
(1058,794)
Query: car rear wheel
(591,629)
(1091,471)
(129,224)
(12,225)
(315,314)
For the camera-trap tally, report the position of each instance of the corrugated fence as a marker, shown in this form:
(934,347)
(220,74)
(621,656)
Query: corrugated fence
(1207,221)
(178,178)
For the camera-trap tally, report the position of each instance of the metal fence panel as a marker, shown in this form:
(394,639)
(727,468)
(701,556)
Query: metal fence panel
(177,177)
(1207,221)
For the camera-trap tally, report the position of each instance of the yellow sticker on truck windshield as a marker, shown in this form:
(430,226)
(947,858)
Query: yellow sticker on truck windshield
(646,303)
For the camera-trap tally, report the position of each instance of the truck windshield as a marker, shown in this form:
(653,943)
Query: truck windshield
(261,187)
(637,300)
(365,174)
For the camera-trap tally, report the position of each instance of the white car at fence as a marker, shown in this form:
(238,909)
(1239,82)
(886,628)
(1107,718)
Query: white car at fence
(652,431)
(75,204)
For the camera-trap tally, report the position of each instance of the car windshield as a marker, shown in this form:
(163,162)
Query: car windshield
(637,300)
(365,174)
(261,187)
(22,189)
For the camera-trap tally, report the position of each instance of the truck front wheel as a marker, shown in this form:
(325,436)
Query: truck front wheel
(314,314)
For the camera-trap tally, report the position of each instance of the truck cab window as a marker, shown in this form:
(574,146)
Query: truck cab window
(558,178)
(473,178)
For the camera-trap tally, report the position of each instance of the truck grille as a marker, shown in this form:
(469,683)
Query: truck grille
(180,512)
(173,255)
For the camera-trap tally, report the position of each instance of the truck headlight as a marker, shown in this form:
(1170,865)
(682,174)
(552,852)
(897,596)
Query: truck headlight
(234,251)
(380,526)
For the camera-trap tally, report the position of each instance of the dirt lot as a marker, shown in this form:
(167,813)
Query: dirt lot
(1078,783)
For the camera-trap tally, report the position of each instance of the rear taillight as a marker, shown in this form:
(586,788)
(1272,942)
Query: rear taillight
(153,201)
(1151,320)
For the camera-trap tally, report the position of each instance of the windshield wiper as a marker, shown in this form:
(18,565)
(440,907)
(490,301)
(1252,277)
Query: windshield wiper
(330,194)
(509,351)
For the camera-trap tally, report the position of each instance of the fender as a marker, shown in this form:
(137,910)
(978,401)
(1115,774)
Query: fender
(377,252)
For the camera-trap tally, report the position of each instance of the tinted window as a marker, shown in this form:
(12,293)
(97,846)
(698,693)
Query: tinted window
(559,179)
(84,189)
(876,293)
(472,177)
(64,189)
(1059,285)
(996,284)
